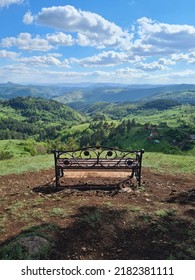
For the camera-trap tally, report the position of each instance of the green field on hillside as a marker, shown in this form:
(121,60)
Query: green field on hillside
(26,164)
(174,117)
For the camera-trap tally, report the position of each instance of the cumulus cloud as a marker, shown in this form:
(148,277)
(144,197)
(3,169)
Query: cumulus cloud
(8,55)
(151,47)
(161,64)
(24,41)
(6,3)
(60,38)
(127,71)
(164,38)
(44,60)
(40,60)
(166,61)
(109,58)
(153,66)
(28,18)
(184,57)
(91,29)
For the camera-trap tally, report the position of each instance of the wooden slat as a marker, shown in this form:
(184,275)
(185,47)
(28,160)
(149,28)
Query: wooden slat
(93,163)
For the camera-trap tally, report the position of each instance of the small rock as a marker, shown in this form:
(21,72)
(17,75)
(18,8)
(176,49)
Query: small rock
(33,244)
(148,200)
(84,249)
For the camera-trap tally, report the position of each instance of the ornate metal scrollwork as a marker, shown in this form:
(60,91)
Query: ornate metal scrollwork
(67,162)
(93,157)
(129,162)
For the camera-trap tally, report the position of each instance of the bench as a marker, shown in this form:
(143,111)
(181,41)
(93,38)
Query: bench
(98,158)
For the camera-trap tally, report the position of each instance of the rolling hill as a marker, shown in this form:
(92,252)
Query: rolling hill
(23,117)
(124,125)
(92,93)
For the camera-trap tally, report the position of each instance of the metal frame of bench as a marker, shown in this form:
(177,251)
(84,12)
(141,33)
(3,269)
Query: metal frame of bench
(98,158)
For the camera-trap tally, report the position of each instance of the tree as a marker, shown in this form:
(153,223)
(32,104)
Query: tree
(71,144)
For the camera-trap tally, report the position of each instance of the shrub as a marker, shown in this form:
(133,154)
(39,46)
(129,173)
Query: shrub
(5,155)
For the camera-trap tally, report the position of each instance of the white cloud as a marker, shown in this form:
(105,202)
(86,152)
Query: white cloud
(32,73)
(184,57)
(153,66)
(41,60)
(164,38)
(149,51)
(128,72)
(109,58)
(8,55)
(25,42)
(6,3)
(166,61)
(60,38)
(91,29)
(176,77)
(28,18)
(45,60)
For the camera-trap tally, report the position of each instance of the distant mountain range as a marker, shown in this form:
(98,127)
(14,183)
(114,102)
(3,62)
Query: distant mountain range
(92,93)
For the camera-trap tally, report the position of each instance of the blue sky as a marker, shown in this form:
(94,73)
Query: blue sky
(126,41)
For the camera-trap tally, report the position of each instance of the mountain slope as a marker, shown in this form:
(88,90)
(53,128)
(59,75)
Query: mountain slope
(100,92)
(186,96)
(22,117)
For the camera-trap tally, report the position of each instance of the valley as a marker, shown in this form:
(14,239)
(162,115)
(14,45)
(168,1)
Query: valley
(163,123)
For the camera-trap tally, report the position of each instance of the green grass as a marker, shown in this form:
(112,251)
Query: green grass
(13,146)
(74,129)
(60,212)
(173,116)
(11,113)
(169,163)
(26,164)
(19,148)
(79,127)
(16,251)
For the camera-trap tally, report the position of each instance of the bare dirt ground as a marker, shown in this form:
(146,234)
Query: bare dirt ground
(101,215)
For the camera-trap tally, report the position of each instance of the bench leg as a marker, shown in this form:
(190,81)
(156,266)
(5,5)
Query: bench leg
(59,174)
(138,176)
(57,178)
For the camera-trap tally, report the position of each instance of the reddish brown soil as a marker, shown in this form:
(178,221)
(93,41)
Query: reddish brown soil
(90,218)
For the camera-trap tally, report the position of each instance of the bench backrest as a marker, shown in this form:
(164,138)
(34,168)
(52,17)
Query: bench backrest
(97,157)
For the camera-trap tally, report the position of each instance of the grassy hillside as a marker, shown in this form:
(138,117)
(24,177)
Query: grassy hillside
(23,117)
(174,117)
(15,148)
(157,126)
(27,164)
(183,97)
(156,112)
